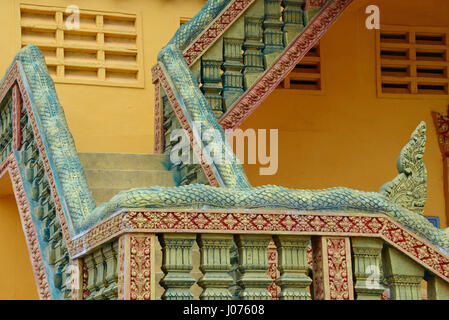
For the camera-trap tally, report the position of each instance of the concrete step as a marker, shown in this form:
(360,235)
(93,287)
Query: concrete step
(109,173)
(104,194)
(122,161)
(127,179)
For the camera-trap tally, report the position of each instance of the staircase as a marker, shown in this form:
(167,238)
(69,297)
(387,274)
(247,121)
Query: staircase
(109,173)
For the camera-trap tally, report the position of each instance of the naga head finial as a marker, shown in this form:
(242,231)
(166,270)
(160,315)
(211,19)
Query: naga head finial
(409,188)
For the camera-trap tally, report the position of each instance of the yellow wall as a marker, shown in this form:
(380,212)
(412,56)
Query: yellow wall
(16,275)
(109,119)
(347,136)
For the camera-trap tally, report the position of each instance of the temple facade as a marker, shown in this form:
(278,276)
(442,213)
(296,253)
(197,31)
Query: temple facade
(340,107)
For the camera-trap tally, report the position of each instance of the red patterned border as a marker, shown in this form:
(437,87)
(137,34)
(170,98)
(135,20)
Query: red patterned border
(34,251)
(254,96)
(158,120)
(268,222)
(186,126)
(17,116)
(213,32)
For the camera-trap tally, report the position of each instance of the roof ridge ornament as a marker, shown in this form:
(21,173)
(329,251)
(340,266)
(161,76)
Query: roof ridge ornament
(409,188)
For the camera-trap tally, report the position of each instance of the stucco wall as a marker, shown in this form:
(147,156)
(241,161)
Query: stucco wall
(16,275)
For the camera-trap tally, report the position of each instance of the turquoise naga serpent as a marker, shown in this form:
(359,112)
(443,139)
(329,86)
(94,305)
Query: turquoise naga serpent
(402,199)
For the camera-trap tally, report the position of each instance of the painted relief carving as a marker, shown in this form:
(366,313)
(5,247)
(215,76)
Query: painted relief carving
(332,269)
(140,267)
(409,188)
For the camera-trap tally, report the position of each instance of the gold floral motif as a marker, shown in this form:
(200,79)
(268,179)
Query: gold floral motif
(332,268)
(237,222)
(273,271)
(338,269)
(230,221)
(140,268)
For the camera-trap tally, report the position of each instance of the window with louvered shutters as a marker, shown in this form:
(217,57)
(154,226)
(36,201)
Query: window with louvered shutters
(306,76)
(105,50)
(412,61)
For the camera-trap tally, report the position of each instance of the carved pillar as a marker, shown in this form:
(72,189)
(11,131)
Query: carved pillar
(66,285)
(403,275)
(232,66)
(91,277)
(367,268)
(211,80)
(293,18)
(136,271)
(110,252)
(437,289)
(311,8)
(215,265)
(169,123)
(273,35)
(177,265)
(100,273)
(332,268)
(253,265)
(253,46)
(293,266)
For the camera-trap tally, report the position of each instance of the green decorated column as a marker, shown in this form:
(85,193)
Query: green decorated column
(293,266)
(253,265)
